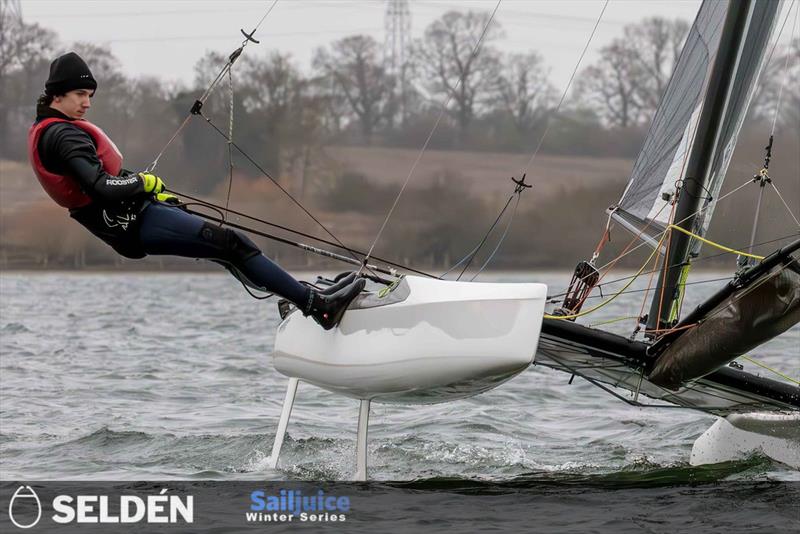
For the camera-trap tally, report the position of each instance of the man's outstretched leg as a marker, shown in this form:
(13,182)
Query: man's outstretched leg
(169,230)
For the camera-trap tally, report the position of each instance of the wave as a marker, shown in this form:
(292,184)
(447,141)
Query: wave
(629,477)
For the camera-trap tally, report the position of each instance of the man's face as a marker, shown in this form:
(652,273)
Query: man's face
(74,104)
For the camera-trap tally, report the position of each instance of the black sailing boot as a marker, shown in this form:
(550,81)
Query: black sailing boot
(328,310)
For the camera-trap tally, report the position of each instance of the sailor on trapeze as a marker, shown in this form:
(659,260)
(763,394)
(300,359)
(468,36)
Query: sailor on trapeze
(80,167)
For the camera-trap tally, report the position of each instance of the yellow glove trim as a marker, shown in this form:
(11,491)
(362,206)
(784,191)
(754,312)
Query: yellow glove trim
(152,183)
(167,197)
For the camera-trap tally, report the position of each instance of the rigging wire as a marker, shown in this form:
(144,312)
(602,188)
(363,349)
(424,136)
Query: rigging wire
(772,183)
(786,64)
(231,59)
(643,243)
(477,247)
(197,110)
(551,298)
(274,181)
(674,225)
(696,282)
(780,95)
(762,177)
(520,187)
(483,241)
(566,89)
(430,136)
(471,255)
(219,210)
(499,242)
(661,234)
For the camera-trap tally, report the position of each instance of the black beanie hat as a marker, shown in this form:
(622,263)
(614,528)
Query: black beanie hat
(67,73)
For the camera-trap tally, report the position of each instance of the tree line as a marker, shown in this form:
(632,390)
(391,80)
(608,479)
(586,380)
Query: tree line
(495,101)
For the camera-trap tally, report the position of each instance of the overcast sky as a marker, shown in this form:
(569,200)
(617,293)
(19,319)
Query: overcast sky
(166,37)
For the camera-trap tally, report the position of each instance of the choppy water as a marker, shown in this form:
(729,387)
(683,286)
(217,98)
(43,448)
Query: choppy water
(157,376)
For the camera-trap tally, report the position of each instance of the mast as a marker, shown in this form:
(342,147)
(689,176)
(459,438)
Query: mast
(693,192)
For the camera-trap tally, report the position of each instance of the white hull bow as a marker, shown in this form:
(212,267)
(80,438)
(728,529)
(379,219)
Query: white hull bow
(418,341)
(431,341)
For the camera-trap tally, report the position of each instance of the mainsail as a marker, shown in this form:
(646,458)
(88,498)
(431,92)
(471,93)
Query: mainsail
(661,165)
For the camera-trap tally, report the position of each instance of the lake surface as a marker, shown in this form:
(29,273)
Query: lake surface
(159,376)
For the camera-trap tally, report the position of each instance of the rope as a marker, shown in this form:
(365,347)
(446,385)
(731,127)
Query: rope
(714,202)
(664,272)
(668,330)
(618,319)
(713,244)
(626,286)
(770,369)
(651,272)
(632,241)
(708,281)
(430,136)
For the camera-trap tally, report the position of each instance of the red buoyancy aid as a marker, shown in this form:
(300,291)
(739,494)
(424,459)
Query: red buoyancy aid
(65,190)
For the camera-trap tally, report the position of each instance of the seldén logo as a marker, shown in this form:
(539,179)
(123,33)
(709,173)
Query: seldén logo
(22,503)
(86,509)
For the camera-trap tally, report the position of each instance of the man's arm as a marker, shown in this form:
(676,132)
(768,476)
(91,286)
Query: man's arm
(66,149)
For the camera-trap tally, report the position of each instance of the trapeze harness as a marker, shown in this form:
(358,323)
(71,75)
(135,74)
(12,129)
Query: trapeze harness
(113,224)
(64,189)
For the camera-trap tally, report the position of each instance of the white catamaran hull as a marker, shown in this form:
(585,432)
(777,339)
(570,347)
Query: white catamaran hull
(439,341)
(740,435)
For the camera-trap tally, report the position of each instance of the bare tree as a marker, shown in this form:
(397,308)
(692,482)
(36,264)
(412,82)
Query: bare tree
(611,86)
(355,65)
(25,53)
(523,90)
(655,44)
(274,91)
(270,86)
(335,109)
(447,58)
(625,85)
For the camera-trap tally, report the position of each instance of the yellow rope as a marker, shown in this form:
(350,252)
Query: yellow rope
(618,293)
(634,277)
(618,319)
(758,363)
(717,245)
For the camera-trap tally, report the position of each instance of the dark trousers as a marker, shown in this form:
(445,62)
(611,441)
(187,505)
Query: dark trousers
(169,230)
